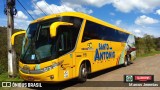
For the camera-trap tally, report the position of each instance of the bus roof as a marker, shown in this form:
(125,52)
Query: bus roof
(83,16)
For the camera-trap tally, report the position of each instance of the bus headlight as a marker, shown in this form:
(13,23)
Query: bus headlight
(49,67)
(45,69)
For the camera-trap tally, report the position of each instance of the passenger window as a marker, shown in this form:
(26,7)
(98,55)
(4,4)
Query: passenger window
(96,31)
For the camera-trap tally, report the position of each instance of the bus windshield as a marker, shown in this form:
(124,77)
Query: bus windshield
(39,47)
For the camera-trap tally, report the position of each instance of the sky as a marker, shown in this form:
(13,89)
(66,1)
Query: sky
(137,16)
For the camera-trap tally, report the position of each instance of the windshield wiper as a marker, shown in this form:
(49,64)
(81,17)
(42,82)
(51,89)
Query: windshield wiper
(32,48)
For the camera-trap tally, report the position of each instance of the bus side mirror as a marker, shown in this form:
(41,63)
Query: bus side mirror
(55,25)
(15,34)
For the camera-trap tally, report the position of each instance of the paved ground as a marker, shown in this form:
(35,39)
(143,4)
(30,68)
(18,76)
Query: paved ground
(147,65)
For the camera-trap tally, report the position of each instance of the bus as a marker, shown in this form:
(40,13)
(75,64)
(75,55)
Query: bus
(69,45)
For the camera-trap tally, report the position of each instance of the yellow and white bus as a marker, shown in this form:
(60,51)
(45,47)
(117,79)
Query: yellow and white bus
(70,45)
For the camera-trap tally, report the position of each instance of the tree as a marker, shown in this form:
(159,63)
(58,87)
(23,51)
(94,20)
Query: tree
(141,46)
(157,43)
(150,42)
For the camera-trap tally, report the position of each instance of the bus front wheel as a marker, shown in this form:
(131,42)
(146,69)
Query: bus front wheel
(83,73)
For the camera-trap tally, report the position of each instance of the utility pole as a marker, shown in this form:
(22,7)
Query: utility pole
(10,11)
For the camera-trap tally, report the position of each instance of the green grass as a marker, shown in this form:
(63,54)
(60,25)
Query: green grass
(149,54)
(4,77)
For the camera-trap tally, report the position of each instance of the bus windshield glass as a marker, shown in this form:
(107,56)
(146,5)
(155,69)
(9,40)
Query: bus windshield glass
(39,47)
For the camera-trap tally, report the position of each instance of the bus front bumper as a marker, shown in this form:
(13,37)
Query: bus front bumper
(46,76)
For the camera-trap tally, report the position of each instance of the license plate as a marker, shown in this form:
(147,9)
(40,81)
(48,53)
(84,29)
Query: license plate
(31,78)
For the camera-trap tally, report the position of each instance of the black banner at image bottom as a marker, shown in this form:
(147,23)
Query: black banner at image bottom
(77,84)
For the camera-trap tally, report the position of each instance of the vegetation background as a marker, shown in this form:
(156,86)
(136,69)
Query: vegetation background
(145,46)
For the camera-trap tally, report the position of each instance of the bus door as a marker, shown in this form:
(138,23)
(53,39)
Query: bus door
(64,51)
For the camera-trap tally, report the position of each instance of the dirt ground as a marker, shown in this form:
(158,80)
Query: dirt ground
(148,65)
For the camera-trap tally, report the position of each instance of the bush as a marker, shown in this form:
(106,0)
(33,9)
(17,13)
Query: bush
(2,69)
(147,44)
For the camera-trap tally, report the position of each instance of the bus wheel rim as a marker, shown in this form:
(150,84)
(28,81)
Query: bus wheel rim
(84,72)
(125,62)
(129,60)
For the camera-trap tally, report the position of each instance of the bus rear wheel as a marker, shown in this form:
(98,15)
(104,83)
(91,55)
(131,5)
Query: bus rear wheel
(83,72)
(126,61)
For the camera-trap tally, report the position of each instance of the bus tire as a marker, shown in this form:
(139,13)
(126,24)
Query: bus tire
(130,61)
(125,61)
(83,73)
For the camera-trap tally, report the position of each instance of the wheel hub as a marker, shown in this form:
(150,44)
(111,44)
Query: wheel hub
(125,62)
(84,72)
